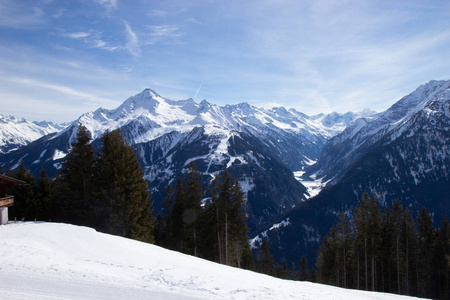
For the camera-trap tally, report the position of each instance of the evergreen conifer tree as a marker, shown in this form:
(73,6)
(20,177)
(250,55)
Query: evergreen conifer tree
(168,205)
(122,196)
(45,194)
(304,274)
(195,192)
(74,182)
(26,206)
(425,245)
(408,240)
(264,260)
(176,217)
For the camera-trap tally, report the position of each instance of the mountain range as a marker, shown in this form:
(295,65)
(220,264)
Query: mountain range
(260,147)
(400,153)
(16,133)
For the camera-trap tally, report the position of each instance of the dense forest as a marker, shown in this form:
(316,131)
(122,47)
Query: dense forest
(387,251)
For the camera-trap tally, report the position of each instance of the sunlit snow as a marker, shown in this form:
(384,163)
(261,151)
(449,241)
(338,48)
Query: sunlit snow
(59,261)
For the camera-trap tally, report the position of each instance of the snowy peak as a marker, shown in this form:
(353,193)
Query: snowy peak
(156,116)
(15,133)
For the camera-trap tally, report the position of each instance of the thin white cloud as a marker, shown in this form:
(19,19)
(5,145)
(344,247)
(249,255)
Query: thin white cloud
(93,39)
(167,34)
(61,89)
(78,35)
(171,31)
(100,44)
(132,44)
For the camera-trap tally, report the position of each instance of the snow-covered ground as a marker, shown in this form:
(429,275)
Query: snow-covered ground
(313,185)
(59,261)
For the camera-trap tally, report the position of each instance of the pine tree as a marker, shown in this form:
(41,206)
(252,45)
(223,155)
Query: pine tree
(397,210)
(26,206)
(176,217)
(195,192)
(408,240)
(440,263)
(425,253)
(122,197)
(344,239)
(283,271)
(164,227)
(46,195)
(74,182)
(230,228)
(224,230)
(304,274)
(326,264)
(264,260)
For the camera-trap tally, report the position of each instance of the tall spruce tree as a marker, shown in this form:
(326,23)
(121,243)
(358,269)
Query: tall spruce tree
(166,221)
(195,192)
(409,246)
(226,239)
(264,259)
(397,211)
(176,217)
(122,197)
(26,206)
(344,240)
(46,195)
(327,270)
(304,273)
(425,235)
(74,182)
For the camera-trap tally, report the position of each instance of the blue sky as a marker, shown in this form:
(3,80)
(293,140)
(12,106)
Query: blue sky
(59,59)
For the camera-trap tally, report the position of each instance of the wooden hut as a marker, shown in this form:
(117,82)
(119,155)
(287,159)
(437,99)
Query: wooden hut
(5,199)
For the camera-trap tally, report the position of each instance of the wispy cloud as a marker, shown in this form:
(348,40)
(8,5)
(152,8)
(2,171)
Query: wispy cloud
(78,35)
(93,39)
(132,44)
(61,89)
(171,31)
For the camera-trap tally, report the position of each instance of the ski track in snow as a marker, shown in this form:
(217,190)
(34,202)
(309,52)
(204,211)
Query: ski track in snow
(60,261)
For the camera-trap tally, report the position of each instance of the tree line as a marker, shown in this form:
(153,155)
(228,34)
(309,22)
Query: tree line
(387,251)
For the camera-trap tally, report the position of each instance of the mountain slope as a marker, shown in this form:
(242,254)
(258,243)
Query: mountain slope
(60,261)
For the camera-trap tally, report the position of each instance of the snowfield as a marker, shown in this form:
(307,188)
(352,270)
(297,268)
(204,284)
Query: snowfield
(61,261)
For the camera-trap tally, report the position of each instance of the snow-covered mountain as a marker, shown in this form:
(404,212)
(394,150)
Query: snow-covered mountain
(59,261)
(345,148)
(401,153)
(15,133)
(261,147)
